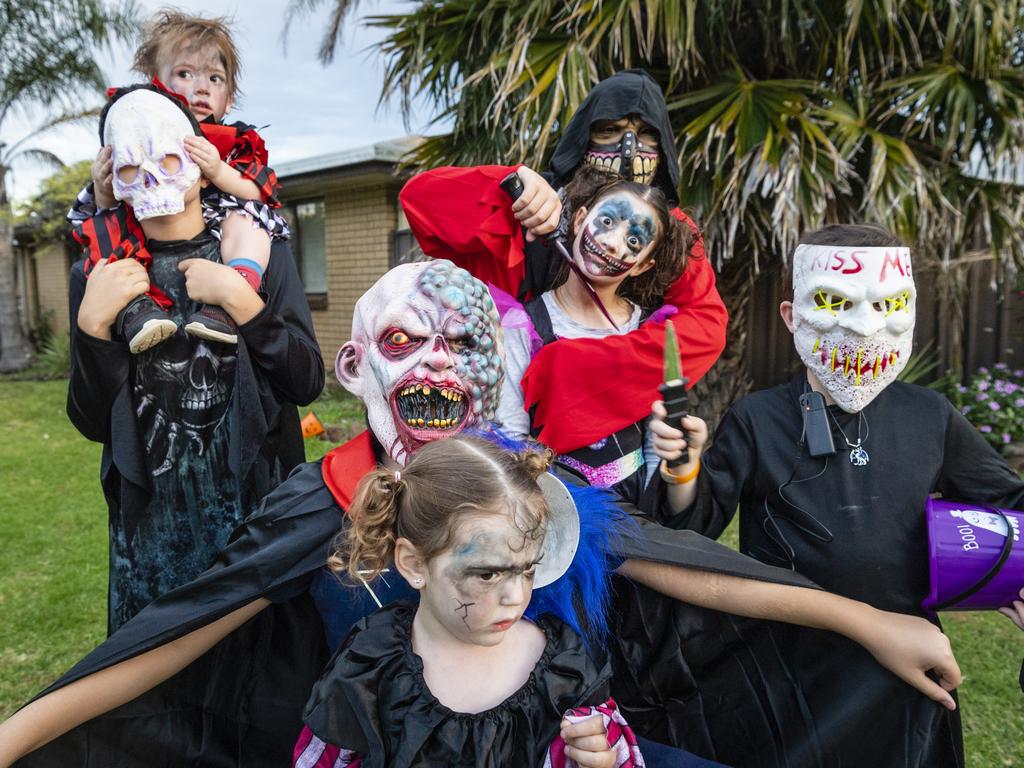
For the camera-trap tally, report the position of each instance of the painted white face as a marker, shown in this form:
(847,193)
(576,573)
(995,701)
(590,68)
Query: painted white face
(481,585)
(615,238)
(425,356)
(152,170)
(853,318)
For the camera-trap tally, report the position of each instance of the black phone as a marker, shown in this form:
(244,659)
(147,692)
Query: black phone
(817,432)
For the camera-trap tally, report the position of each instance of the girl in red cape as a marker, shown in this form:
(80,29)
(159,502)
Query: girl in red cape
(579,390)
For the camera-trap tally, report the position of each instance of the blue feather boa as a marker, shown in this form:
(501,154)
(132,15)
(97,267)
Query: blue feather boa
(581,596)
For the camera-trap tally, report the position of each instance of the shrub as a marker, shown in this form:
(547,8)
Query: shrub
(993,401)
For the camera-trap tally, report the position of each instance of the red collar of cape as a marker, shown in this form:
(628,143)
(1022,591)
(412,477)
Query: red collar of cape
(345,466)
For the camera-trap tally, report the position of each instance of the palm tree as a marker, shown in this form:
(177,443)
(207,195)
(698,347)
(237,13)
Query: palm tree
(49,68)
(790,115)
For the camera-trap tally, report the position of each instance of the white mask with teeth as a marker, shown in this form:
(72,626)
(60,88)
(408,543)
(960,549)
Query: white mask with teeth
(152,170)
(853,318)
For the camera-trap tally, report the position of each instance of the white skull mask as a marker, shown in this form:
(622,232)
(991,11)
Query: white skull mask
(853,318)
(152,170)
(425,356)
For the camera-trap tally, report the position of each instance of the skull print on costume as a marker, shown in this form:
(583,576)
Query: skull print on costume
(428,366)
(152,170)
(853,318)
(182,391)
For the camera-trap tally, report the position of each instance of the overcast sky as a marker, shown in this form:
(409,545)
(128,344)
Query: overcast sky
(310,109)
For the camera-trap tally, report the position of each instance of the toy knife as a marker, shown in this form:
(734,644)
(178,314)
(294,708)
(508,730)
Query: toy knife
(673,391)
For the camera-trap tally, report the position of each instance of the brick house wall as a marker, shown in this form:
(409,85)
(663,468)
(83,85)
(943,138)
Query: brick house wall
(359,221)
(52,269)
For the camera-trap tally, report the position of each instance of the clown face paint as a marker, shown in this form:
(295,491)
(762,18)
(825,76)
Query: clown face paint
(479,587)
(152,171)
(425,356)
(853,318)
(628,147)
(616,236)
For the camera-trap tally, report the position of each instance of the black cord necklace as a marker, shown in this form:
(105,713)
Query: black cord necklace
(858,456)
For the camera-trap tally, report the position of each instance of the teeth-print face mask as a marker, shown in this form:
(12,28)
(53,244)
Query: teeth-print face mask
(853,318)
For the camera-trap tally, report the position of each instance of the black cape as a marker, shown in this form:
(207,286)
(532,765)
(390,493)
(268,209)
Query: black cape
(277,553)
(871,545)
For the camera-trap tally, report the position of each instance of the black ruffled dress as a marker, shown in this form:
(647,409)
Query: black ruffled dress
(373,700)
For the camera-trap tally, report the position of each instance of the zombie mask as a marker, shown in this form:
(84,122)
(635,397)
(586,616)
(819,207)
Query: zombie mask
(853,317)
(425,355)
(617,148)
(152,170)
(616,236)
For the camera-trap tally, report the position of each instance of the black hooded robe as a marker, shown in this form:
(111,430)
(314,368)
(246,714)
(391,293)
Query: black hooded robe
(917,444)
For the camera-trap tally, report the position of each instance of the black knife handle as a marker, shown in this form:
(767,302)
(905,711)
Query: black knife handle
(512,186)
(677,404)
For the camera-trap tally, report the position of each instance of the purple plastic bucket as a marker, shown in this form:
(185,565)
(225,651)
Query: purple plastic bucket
(975,556)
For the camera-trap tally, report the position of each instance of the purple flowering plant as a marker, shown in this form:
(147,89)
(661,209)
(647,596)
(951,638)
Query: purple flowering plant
(993,401)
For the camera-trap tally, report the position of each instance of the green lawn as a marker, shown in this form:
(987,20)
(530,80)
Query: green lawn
(53,570)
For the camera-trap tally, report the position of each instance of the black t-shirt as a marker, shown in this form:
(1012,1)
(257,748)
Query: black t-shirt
(181,393)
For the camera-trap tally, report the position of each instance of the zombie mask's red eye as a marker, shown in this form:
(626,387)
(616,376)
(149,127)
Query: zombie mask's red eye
(398,343)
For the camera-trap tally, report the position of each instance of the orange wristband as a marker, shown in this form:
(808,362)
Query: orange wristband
(674,479)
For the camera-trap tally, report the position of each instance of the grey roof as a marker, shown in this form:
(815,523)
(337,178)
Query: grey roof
(384,152)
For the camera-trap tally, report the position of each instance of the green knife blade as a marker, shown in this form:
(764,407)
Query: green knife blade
(673,367)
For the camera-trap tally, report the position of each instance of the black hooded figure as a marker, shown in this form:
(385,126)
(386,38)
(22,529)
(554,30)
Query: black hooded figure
(630,92)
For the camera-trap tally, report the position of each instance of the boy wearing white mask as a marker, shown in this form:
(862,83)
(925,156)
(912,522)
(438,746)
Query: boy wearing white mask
(194,431)
(853,519)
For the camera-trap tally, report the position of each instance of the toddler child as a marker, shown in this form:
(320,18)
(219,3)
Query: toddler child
(196,59)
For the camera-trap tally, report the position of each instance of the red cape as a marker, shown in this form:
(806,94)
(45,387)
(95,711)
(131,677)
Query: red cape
(583,389)
(343,467)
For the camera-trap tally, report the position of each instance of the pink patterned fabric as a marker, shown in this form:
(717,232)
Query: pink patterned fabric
(620,738)
(311,752)
(514,316)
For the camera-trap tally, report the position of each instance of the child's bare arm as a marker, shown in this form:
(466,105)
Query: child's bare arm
(908,646)
(208,282)
(56,713)
(220,174)
(669,443)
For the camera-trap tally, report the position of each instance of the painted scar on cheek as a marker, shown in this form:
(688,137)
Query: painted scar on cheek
(464,607)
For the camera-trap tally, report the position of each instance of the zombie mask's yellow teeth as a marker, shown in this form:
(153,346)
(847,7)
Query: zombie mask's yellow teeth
(433,407)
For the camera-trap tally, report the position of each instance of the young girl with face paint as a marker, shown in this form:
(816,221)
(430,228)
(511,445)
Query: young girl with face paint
(629,247)
(462,679)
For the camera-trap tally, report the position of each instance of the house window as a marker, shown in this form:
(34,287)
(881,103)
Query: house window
(404,248)
(306,219)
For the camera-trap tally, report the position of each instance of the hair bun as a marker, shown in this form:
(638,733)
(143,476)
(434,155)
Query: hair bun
(535,461)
